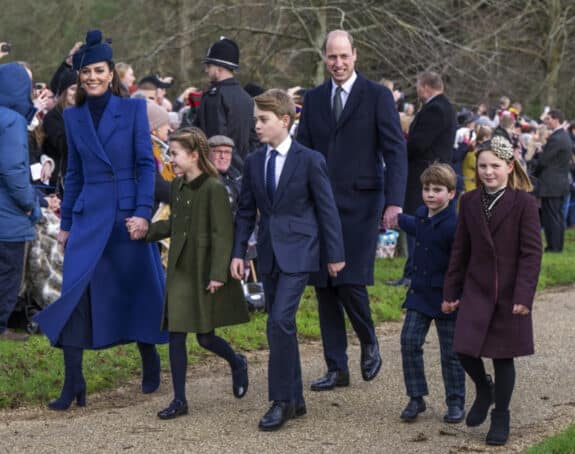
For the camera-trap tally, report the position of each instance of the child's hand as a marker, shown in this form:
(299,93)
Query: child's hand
(213,286)
(447,307)
(237,269)
(520,309)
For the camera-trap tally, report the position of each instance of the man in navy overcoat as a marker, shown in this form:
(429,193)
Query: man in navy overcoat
(353,122)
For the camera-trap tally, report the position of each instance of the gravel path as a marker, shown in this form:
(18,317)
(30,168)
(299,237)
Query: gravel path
(362,418)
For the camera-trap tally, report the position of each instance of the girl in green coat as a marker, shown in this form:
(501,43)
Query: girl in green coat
(200,295)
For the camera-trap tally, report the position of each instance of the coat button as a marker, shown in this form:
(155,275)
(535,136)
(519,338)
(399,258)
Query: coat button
(411,291)
(418,244)
(415,268)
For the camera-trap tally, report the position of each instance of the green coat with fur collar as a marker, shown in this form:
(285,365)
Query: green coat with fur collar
(201,237)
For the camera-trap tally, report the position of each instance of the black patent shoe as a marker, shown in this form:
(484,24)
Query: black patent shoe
(454,415)
(276,416)
(370,361)
(331,380)
(176,408)
(414,407)
(240,380)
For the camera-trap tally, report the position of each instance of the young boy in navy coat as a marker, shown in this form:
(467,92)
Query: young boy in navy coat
(288,184)
(433,227)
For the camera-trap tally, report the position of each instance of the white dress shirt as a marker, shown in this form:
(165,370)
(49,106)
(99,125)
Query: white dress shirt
(282,150)
(346,89)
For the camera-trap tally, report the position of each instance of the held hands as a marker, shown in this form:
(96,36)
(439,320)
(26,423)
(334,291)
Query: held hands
(63,238)
(237,269)
(390,216)
(334,268)
(447,307)
(137,227)
(213,286)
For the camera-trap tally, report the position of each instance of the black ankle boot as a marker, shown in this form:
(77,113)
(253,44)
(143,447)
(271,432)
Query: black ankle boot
(499,429)
(483,400)
(74,383)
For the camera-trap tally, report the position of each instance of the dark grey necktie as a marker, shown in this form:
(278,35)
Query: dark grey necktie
(337,104)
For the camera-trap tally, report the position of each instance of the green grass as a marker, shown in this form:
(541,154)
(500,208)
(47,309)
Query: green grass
(563,443)
(31,373)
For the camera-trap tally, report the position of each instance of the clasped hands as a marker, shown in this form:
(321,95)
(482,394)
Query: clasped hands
(137,227)
(447,307)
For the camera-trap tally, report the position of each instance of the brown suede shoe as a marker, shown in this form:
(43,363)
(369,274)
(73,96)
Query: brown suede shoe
(13,336)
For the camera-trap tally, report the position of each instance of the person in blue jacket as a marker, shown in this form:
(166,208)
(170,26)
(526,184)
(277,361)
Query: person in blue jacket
(433,227)
(19,209)
(113,284)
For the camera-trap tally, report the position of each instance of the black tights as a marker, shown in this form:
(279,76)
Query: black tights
(179,357)
(504,377)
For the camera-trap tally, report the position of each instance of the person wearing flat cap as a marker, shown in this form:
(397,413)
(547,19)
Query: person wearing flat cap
(226,108)
(221,152)
(113,283)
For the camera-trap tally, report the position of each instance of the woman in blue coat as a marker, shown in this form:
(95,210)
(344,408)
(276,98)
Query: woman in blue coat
(113,285)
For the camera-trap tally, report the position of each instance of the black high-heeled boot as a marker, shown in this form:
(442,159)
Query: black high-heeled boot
(74,383)
(150,367)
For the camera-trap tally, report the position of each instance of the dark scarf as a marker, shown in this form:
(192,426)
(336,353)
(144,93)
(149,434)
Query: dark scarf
(97,105)
(489,200)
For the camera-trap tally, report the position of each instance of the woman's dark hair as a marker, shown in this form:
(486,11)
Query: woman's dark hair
(116,85)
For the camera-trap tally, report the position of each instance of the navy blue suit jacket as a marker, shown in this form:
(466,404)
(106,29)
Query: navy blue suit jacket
(355,147)
(433,240)
(289,228)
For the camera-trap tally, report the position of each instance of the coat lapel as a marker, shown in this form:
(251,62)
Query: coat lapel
(109,121)
(353,101)
(502,209)
(260,180)
(287,171)
(327,113)
(88,133)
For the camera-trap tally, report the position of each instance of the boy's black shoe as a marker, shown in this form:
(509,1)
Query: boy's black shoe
(499,429)
(415,406)
(483,400)
(330,380)
(176,408)
(277,415)
(454,415)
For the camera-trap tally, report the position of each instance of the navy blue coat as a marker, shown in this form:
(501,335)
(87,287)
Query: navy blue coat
(355,147)
(110,176)
(289,228)
(16,193)
(433,239)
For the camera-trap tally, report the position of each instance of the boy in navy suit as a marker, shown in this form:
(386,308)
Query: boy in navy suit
(288,184)
(433,227)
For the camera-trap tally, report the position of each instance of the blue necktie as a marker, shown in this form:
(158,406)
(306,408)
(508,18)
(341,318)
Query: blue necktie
(337,104)
(271,175)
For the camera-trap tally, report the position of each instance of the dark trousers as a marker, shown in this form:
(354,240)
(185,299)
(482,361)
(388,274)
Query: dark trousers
(415,328)
(283,292)
(331,304)
(11,269)
(553,222)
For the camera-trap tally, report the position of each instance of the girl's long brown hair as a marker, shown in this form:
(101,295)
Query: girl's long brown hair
(193,139)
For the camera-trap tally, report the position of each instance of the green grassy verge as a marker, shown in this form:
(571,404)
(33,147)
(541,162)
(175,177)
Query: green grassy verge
(32,372)
(563,443)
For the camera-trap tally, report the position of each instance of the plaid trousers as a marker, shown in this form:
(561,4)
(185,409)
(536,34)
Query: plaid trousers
(415,328)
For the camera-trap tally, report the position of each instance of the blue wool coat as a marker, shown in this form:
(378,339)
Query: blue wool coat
(433,239)
(355,147)
(110,177)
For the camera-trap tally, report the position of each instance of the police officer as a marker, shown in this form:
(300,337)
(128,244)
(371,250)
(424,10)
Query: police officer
(226,108)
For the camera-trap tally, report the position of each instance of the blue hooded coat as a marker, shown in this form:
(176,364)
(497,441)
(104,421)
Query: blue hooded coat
(16,192)
(110,177)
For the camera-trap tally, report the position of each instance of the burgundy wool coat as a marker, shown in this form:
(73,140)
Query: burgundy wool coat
(493,266)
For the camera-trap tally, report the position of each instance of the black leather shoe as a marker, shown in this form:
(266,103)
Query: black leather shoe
(413,408)
(483,400)
(276,416)
(405,281)
(240,377)
(176,408)
(454,415)
(370,361)
(300,409)
(331,380)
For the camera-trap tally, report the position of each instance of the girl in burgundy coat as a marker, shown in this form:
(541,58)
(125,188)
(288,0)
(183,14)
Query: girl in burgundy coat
(492,277)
